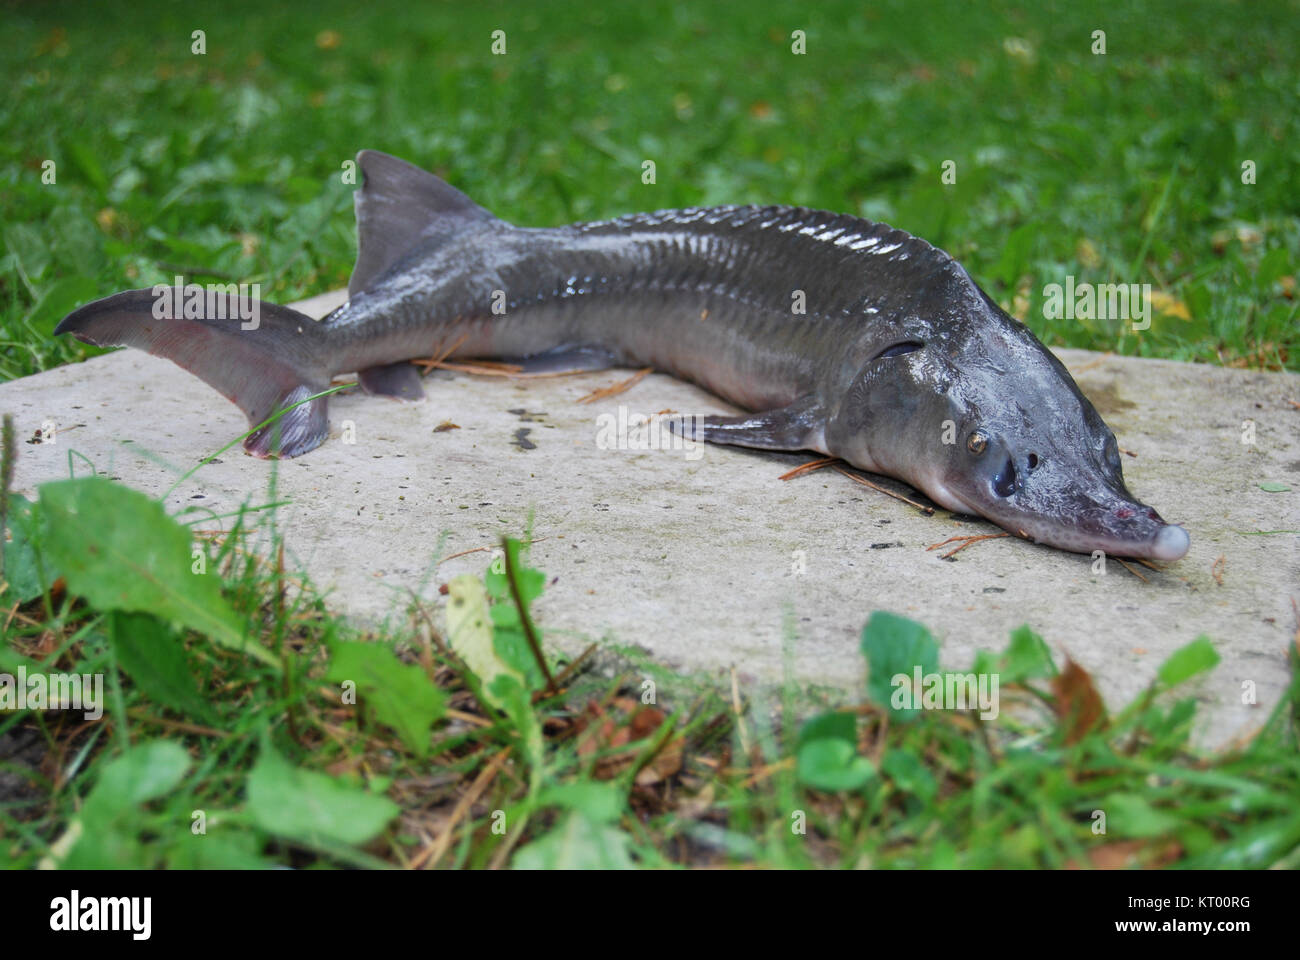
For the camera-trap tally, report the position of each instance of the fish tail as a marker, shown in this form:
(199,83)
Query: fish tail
(264,358)
(267,358)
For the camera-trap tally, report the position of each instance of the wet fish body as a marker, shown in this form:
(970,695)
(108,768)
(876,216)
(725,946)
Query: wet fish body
(844,336)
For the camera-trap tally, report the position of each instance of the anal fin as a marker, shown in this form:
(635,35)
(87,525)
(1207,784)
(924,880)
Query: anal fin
(400,381)
(800,426)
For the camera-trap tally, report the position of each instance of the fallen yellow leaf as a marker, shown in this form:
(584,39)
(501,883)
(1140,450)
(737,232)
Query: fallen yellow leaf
(1169,305)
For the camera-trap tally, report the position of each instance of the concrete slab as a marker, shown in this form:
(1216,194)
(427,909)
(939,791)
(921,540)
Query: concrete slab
(700,561)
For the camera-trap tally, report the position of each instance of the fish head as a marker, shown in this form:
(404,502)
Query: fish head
(1052,473)
(989,422)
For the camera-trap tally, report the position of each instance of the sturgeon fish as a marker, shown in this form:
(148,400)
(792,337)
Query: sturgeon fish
(899,364)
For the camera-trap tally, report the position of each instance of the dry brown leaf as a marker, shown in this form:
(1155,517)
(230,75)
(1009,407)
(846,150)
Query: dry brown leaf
(622,725)
(1078,704)
(1126,854)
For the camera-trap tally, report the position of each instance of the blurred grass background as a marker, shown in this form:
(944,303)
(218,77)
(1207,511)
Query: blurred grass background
(1124,167)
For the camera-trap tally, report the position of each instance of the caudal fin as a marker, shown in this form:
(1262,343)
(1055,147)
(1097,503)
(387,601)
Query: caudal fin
(274,363)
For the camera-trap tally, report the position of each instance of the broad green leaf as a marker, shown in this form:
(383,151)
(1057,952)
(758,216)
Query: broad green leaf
(894,645)
(577,844)
(511,644)
(509,639)
(985,662)
(21,569)
(145,772)
(1187,661)
(1019,848)
(834,725)
(312,807)
(598,802)
(119,549)
(1026,657)
(909,774)
(1170,727)
(1272,486)
(108,847)
(517,703)
(105,835)
(469,631)
(400,694)
(221,848)
(531,581)
(832,764)
(1130,815)
(151,654)
(943,856)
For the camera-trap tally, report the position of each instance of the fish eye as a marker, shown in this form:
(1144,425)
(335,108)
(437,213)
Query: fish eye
(900,349)
(977,441)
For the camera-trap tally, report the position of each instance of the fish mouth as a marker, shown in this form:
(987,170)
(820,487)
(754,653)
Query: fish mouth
(1167,542)
(1170,542)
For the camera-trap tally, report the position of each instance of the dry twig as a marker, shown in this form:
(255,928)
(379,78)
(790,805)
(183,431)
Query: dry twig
(605,393)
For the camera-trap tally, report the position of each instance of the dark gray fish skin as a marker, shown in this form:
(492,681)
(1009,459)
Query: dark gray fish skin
(900,364)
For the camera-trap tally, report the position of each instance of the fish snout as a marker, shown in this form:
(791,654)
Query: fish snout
(1170,543)
(1050,505)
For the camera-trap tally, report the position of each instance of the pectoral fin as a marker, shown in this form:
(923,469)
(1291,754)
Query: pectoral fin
(799,426)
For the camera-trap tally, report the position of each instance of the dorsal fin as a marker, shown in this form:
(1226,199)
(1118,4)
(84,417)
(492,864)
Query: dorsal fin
(399,205)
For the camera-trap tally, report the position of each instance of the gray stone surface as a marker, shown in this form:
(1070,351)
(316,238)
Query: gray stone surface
(697,560)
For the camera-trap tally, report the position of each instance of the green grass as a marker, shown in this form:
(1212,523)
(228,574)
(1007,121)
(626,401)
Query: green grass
(441,741)
(1125,167)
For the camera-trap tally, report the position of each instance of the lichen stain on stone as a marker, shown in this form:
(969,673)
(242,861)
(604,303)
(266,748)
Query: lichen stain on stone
(1106,399)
